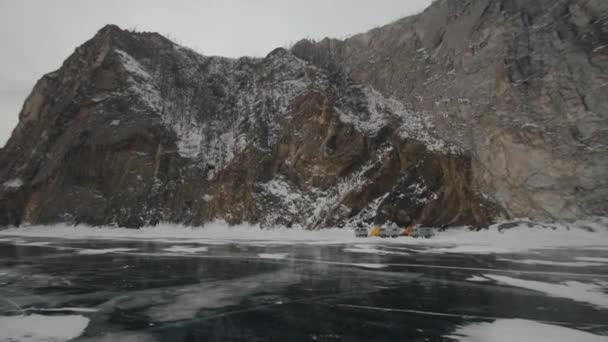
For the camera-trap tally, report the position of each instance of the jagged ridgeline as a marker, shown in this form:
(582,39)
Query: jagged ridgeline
(134,129)
(519,85)
(444,118)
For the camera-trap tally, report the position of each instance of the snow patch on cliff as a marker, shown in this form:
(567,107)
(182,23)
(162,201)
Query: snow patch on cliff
(132,66)
(141,83)
(237,103)
(14,183)
(289,197)
(382,112)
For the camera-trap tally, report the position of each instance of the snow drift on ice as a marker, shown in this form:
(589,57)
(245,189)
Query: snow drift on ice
(520,330)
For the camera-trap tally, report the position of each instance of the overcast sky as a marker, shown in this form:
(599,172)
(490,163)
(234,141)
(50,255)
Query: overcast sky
(36,36)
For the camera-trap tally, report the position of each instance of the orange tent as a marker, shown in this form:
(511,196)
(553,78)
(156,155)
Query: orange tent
(375,232)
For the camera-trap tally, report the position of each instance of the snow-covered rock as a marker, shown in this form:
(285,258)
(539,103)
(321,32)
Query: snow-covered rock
(136,130)
(519,85)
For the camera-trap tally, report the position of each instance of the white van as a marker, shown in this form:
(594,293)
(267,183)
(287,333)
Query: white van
(361,232)
(422,232)
(391,231)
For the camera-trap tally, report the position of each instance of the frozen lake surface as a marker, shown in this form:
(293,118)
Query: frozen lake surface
(114,288)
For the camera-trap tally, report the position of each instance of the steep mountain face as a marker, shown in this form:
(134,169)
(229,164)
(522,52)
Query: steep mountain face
(519,85)
(134,130)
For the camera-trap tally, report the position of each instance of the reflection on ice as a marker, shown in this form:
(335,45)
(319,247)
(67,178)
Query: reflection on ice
(186,302)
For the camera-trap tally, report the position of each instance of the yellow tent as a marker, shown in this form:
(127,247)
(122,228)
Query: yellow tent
(375,232)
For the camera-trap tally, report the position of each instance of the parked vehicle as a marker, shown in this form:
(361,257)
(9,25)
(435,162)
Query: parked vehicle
(361,232)
(390,231)
(422,232)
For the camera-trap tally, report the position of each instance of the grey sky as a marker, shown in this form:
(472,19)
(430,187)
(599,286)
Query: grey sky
(36,36)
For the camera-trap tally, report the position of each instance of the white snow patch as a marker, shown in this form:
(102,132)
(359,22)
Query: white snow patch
(32,244)
(580,292)
(72,309)
(553,263)
(280,188)
(13,183)
(185,249)
(367,249)
(364,249)
(592,259)
(372,266)
(132,65)
(599,48)
(478,279)
(34,328)
(456,240)
(520,330)
(217,140)
(104,251)
(140,81)
(380,112)
(525,237)
(275,256)
(288,196)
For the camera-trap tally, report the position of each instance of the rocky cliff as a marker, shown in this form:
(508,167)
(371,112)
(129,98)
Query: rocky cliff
(519,85)
(134,130)
(470,110)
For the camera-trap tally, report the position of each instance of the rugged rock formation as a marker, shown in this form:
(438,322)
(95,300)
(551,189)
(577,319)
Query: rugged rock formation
(483,108)
(134,130)
(519,85)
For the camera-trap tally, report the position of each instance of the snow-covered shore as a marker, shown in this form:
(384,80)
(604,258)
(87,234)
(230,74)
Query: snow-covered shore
(521,236)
